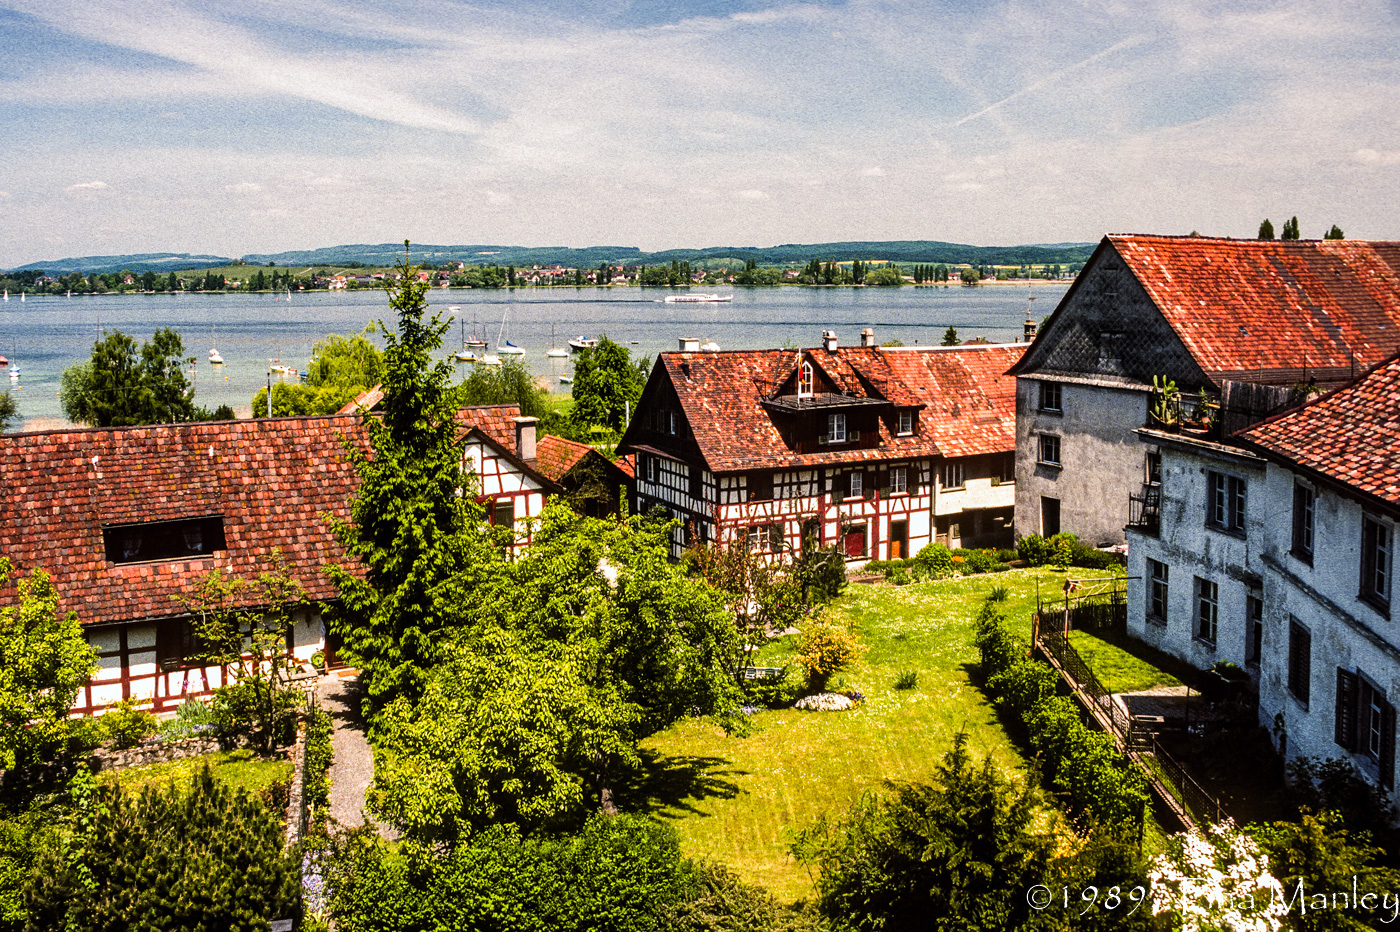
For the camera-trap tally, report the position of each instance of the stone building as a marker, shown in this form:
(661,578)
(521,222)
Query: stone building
(1237,323)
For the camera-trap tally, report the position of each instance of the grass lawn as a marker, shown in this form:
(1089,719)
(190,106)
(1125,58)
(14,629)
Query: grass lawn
(739,800)
(1118,670)
(239,768)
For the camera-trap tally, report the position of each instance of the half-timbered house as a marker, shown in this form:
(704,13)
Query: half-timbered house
(126,519)
(878,451)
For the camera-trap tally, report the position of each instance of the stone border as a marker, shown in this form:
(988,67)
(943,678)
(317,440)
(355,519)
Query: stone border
(296,793)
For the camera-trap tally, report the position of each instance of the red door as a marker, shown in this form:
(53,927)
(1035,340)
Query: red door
(855,541)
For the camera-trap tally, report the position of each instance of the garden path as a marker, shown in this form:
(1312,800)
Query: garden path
(352,767)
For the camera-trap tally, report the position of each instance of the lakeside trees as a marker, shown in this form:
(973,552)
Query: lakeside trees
(121,386)
(340,369)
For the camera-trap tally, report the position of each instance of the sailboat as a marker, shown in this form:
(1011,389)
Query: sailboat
(555,352)
(7,294)
(504,346)
(214,358)
(475,343)
(464,354)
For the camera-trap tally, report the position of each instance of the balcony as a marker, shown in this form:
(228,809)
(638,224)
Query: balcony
(1145,511)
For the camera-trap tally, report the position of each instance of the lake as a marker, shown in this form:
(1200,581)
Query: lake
(44,335)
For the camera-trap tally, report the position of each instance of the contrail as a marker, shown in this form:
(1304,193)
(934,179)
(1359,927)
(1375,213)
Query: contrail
(1050,79)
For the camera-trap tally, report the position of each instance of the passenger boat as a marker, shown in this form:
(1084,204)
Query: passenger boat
(699,298)
(582,343)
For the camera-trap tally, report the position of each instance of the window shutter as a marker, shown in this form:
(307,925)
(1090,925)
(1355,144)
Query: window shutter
(1388,746)
(1345,729)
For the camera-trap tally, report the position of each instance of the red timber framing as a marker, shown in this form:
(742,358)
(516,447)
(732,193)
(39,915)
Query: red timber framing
(845,447)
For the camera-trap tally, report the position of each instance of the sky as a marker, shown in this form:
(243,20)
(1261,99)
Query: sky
(260,126)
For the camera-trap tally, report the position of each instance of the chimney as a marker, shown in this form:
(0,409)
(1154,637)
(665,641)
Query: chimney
(525,437)
(690,345)
(829,340)
(867,338)
(1029,328)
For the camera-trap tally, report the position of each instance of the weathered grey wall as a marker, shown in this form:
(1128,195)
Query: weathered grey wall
(1102,460)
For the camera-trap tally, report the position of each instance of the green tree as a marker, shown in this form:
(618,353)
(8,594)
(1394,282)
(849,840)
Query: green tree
(1334,233)
(1316,852)
(44,661)
(761,595)
(950,337)
(538,713)
(510,383)
(247,635)
(206,857)
(340,369)
(1266,230)
(969,276)
(411,530)
(1290,229)
(121,387)
(9,411)
(955,854)
(606,383)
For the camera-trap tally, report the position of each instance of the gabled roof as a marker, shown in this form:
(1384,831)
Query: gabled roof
(1351,435)
(1240,306)
(495,421)
(968,402)
(273,481)
(555,456)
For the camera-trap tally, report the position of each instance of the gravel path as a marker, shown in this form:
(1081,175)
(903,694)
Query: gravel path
(353,765)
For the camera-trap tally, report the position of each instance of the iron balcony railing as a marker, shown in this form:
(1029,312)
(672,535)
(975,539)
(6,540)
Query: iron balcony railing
(1145,510)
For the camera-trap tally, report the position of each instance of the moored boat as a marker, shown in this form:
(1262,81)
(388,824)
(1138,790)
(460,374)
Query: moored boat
(699,298)
(582,343)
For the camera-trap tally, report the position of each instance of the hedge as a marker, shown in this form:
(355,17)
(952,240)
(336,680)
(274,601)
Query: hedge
(1082,764)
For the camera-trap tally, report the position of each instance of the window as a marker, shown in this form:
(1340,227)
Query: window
(1153,468)
(1365,722)
(175,641)
(1050,396)
(672,423)
(1207,610)
(808,381)
(1049,516)
(1299,660)
(857,484)
(899,480)
(503,512)
(651,467)
(1377,546)
(1049,449)
(764,538)
(164,540)
(1006,470)
(906,422)
(1254,615)
(1156,592)
(836,428)
(1304,501)
(1225,503)
(953,474)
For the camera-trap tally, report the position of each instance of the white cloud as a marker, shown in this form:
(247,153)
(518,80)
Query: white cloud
(874,171)
(89,186)
(751,194)
(1378,157)
(243,187)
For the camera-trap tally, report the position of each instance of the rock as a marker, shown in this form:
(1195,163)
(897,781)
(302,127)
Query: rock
(825,702)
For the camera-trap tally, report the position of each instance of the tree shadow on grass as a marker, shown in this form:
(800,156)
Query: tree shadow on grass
(670,784)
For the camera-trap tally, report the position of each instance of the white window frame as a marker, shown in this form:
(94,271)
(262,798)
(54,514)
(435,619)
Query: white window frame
(906,423)
(899,480)
(953,475)
(836,428)
(1040,450)
(856,484)
(807,381)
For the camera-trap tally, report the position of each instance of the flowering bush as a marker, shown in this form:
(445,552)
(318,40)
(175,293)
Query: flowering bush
(1218,882)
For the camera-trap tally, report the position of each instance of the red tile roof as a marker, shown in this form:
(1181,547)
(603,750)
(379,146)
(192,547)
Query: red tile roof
(628,465)
(1245,305)
(968,402)
(271,480)
(1351,435)
(555,456)
(495,421)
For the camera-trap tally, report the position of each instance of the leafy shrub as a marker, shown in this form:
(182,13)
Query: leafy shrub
(979,561)
(1033,549)
(998,594)
(821,573)
(900,577)
(1023,684)
(125,725)
(192,717)
(620,873)
(823,649)
(1333,785)
(936,560)
(907,679)
(1006,555)
(318,763)
(778,692)
(1062,549)
(146,862)
(718,901)
(238,709)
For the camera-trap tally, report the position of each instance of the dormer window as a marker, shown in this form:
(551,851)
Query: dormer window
(808,381)
(906,422)
(836,428)
(164,540)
